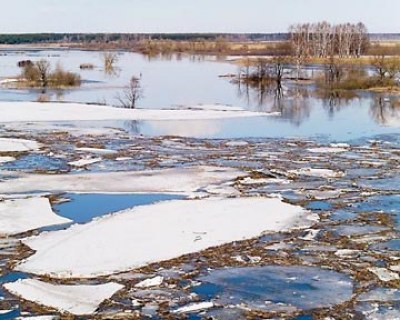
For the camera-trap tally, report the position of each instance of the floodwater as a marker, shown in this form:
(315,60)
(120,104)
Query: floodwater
(83,207)
(193,80)
(282,273)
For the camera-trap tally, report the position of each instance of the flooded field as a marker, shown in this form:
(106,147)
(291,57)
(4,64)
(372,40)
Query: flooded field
(213,213)
(188,81)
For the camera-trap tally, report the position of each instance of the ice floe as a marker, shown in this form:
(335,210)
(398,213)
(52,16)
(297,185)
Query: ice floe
(327,150)
(152,282)
(21,215)
(84,162)
(236,143)
(162,231)
(50,317)
(75,299)
(384,275)
(97,150)
(322,173)
(17,145)
(6,159)
(179,180)
(33,111)
(381,294)
(195,307)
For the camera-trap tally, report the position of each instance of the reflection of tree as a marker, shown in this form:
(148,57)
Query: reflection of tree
(292,103)
(260,95)
(385,111)
(132,126)
(170,56)
(60,95)
(333,101)
(110,60)
(296,107)
(112,72)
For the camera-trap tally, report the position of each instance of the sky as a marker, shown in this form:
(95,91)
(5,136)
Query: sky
(135,16)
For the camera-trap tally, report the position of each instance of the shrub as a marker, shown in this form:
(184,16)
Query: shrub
(39,74)
(62,78)
(31,73)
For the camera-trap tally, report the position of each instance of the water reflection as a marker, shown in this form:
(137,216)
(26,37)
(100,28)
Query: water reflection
(178,56)
(132,126)
(334,101)
(385,111)
(292,102)
(192,128)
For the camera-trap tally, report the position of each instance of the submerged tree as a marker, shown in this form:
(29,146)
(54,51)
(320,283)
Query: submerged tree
(110,59)
(131,94)
(40,74)
(43,68)
(386,68)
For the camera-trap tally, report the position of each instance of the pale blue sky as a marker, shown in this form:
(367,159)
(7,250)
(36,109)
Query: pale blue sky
(191,15)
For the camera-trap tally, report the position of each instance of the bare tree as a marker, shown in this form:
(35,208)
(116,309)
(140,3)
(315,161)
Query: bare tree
(43,67)
(334,70)
(131,94)
(298,38)
(386,68)
(322,39)
(110,59)
(361,38)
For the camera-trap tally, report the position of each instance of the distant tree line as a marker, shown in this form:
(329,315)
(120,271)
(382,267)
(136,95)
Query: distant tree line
(112,37)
